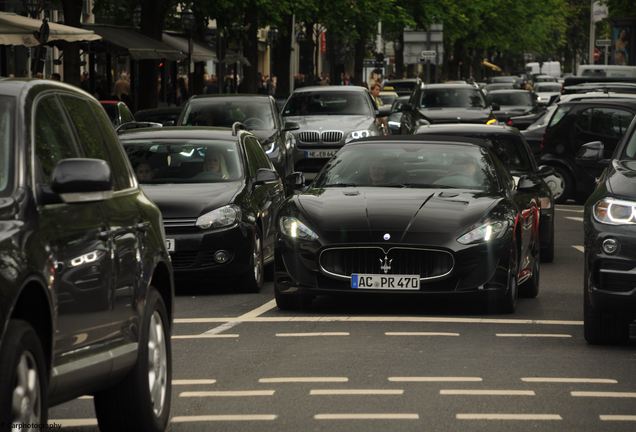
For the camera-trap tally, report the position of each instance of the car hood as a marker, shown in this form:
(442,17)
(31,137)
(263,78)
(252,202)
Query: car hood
(333,122)
(424,216)
(191,200)
(456,115)
(621,180)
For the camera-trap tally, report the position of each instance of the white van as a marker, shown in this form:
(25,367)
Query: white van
(609,71)
(552,68)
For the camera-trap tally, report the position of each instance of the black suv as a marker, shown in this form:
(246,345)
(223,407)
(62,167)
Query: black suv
(610,243)
(574,124)
(85,278)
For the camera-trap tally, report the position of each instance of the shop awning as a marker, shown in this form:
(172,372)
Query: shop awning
(130,42)
(20,30)
(491,66)
(199,52)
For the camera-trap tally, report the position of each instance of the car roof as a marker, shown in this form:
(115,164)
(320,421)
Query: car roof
(244,97)
(339,88)
(179,132)
(429,139)
(605,101)
(459,86)
(502,91)
(461,128)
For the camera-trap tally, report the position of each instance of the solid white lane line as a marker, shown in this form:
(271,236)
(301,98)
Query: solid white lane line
(420,334)
(569,380)
(206,336)
(356,392)
(603,394)
(281,380)
(495,416)
(534,335)
(461,392)
(317,334)
(368,416)
(224,417)
(228,393)
(74,422)
(251,314)
(435,379)
(624,418)
(579,248)
(577,219)
(185,382)
(374,319)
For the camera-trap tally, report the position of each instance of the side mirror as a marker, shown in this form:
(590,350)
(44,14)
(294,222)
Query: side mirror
(82,180)
(291,126)
(546,170)
(526,183)
(264,176)
(295,180)
(591,154)
(495,106)
(383,111)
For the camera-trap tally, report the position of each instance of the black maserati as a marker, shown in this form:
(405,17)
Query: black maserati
(410,215)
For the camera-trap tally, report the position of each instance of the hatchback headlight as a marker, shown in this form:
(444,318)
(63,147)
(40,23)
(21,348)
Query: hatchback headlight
(359,134)
(292,227)
(222,217)
(615,212)
(484,233)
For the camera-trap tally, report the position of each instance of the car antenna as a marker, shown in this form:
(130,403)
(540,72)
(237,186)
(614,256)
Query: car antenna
(236,126)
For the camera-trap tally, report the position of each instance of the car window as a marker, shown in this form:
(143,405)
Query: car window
(559,114)
(184,161)
(583,120)
(327,103)
(511,152)
(254,113)
(126,115)
(7,109)
(610,122)
(255,155)
(452,98)
(630,148)
(54,140)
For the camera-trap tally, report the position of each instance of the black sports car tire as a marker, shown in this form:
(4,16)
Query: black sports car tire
(129,406)
(508,300)
(252,281)
(22,351)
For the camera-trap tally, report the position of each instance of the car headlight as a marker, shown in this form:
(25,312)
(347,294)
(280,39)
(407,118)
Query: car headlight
(615,212)
(484,233)
(292,227)
(220,218)
(359,134)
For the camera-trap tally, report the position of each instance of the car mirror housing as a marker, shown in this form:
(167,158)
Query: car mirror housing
(591,154)
(82,180)
(295,180)
(291,126)
(264,176)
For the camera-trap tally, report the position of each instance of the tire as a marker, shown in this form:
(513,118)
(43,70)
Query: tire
(530,288)
(22,354)
(508,300)
(252,281)
(566,190)
(602,328)
(130,405)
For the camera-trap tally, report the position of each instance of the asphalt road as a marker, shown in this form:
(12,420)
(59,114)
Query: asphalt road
(394,364)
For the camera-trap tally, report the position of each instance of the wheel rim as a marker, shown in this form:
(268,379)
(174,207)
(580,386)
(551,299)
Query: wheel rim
(26,404)
(258,262)
(157,363)
(556,183)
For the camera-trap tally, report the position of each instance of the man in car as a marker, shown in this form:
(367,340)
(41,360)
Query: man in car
(375,93)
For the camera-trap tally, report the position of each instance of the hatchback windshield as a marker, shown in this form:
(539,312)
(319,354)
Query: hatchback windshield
(410,165)
(516,98)
(188,161)
(6,141)
(254,113)
(327,103)
(452,98)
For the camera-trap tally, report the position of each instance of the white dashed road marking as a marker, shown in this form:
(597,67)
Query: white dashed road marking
(279,380)
(435,379)
(185,382)
(317,334)
(573,210)
(420,334)
(534,335)
(577,219)
(603,394)
(462,392)
(356,392)
(368,416)
(206,336)
(570,380)
(251,314)
(226,417)
(621,418)
(494,416)
(234,393)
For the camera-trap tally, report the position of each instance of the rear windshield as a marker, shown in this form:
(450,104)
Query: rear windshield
(6,143)
(255,113)
(187,161)
(327,103)
(518,99)
(452,98)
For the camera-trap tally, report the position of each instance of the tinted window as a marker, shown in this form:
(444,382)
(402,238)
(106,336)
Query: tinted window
(452,98)
(255,113)
(523,99)
(610,122)
(327,103)
(511,152)
(184,161)
(410,165)
(53,139)
(559,114)
(630,149)
(6,143)
(126,115)
(255,155)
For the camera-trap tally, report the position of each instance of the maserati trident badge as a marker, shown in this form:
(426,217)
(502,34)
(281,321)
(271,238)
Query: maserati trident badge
(387,236)
(386,264)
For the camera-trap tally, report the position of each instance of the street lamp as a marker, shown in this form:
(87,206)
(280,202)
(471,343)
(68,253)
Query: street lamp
(188,21)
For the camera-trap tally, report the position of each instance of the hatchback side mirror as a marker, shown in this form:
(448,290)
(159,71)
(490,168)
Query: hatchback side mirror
(264,176)
(82,180)
(591,154)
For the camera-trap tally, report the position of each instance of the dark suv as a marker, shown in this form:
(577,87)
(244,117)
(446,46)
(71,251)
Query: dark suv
(85,279)
(574,124)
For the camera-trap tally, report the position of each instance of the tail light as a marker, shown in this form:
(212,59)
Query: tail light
(509,122)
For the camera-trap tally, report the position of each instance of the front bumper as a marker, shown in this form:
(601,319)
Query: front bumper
(476,268)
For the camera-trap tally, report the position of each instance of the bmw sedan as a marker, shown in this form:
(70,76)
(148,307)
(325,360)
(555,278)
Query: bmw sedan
(409,215)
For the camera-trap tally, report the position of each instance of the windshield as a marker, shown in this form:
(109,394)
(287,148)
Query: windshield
(6,143)
(255,113)
(452,98)
(327,103)
(187,161)
(409,165)
(630,149)
(517,98)
(547,87)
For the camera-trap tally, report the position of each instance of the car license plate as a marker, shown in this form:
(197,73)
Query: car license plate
(373,281)
(170,245)
(320,154)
